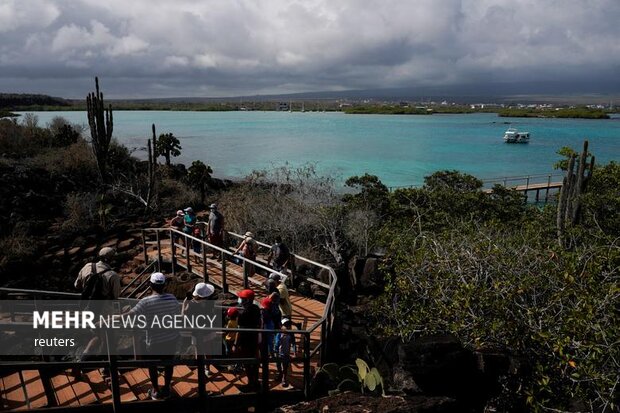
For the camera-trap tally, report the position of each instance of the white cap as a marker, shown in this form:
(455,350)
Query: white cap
(203,290)
(158,278)
(285,320)
(106,251)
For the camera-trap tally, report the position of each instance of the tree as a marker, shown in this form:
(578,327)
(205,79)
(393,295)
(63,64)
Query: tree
(167,145)
(199,176)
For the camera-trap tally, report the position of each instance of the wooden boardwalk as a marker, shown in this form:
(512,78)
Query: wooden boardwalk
(24,389)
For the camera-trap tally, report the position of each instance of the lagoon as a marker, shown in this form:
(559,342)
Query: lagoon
(400,149)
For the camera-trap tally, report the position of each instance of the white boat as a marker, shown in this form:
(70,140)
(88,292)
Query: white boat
(512,135)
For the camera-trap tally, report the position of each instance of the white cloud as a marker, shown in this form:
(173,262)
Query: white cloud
(247,46)
(29,15)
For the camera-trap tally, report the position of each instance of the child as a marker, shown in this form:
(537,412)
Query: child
(229,339)
(285,341)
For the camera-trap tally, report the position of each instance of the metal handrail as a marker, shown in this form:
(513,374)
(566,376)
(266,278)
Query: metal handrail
(327,315)
(503,179)
(139,276)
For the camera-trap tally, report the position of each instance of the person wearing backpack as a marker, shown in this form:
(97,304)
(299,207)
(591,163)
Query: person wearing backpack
(247,249)
(279,255)
(97,280)
(99,285)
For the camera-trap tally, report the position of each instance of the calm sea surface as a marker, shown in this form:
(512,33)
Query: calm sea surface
(401,150)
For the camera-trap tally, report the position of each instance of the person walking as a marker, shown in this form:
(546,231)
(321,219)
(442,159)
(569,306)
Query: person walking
(285,344)
(160,343)
(279,255)
(286,307)
(247,249)
(246,343)
(178,223)
(215,229)
(99,285)
(206,343)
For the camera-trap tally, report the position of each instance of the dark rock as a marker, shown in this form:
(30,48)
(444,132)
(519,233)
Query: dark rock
(350,402)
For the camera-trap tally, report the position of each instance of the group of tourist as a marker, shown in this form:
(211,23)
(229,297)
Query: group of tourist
(187,222)
(98,282)
(213,232)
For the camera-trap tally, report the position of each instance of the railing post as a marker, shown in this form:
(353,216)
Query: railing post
(224,284)
(323,342)
(264,353)
(306,364)
(527,183)
(116,388)
(205,274)
(159,259)
(146,255)
(46,378)
(173,251)
(547,192)
(187,257)
(245,273)
(202,382)
(292,268)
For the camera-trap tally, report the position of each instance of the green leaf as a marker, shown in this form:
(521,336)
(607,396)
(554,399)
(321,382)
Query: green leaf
(370,381)
(362,368)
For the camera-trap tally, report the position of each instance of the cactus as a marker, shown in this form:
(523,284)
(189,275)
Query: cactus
(101,124)
(359,377)
(348,385)
(332,370)
(574,184)
(152,163)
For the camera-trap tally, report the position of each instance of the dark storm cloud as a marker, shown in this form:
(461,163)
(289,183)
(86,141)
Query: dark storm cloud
(149,48)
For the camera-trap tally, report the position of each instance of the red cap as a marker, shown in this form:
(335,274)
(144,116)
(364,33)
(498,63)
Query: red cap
(246,294)
(265,303)
(231,312)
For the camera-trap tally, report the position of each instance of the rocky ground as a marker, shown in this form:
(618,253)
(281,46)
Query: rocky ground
(349,402)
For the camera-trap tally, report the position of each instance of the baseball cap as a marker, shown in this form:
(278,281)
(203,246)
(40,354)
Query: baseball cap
(158,278)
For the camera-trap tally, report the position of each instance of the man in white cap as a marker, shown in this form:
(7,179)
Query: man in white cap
(207,343)
(160,343)
(215,229)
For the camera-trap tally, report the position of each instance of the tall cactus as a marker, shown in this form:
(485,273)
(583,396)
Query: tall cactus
(152,163)
(101,124)
(574,184)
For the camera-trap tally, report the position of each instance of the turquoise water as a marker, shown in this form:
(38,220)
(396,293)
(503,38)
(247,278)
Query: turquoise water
(401,150)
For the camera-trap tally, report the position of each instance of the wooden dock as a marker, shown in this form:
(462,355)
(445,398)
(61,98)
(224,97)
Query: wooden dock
(29,388)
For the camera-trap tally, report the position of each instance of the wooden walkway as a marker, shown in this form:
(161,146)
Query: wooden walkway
(24,390)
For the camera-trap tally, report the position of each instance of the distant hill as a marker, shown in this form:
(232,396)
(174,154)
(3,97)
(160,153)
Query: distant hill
(16,101)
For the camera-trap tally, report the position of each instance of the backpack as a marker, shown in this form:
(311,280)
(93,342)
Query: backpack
(93,288)
(281,254)
(248,251)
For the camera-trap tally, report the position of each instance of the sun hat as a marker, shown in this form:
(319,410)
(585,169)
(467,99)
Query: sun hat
(213,206)
(158,278)
(106,251)
(203,290)
(188,209)
(246,294)
(232,311)
(249,234)
(180,213)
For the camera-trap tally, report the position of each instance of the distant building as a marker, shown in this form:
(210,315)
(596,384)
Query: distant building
(282,106)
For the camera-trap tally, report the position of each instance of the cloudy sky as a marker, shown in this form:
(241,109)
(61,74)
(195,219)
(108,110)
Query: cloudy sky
(166,48)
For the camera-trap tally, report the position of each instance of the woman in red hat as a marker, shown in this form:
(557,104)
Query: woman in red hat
(246,343)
